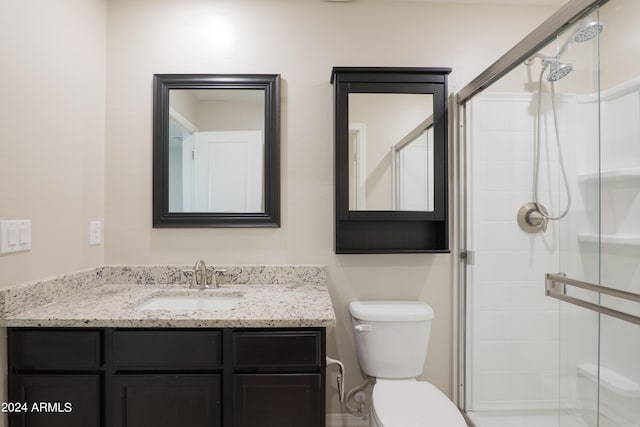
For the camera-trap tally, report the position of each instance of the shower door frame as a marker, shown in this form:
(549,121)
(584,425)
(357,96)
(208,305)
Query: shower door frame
(566,16)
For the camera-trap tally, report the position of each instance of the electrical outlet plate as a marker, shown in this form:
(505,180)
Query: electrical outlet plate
(95,233)
(15,236)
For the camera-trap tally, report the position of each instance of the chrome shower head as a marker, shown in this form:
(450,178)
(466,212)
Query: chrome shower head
(587,30)
(557,69)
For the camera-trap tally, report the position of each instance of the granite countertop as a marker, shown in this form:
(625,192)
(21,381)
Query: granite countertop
(272,296)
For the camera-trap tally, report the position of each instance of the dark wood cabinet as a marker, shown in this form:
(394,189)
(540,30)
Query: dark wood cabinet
(165,400)
(55,348)
(166,377)
(278,378)
(60,400)
(393,227)
(170,349)
(277,400)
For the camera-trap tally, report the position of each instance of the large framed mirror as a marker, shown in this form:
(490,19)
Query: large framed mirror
(216,150)
(391,174)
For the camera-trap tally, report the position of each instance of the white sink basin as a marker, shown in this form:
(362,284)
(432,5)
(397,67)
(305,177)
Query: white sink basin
(190,302)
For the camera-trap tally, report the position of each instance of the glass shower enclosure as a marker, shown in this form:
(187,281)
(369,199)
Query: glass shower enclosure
(549,241)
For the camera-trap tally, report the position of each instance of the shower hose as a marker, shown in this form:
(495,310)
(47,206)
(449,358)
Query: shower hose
(537,143)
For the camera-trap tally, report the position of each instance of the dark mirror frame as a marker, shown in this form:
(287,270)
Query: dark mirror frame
(162,85)
(390,231)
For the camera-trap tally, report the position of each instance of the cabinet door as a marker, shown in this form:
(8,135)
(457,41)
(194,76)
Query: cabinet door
(55,401)
(274,400)
(166,400)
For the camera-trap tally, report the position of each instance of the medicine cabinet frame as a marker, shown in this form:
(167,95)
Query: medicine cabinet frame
(379,231)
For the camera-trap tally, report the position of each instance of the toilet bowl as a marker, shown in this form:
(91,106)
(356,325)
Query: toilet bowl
(411,403)
(391,344)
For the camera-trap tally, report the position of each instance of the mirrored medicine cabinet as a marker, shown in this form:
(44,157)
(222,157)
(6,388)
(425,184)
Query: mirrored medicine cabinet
(391,179)
(216,150)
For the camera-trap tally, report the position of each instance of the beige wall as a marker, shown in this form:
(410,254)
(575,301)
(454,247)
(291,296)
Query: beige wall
(52,119)
(52,116)
(620,39)
(302,41)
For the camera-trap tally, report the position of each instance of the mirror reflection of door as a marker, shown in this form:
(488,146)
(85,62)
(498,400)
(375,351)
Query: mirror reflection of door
(215,171)
(227,172)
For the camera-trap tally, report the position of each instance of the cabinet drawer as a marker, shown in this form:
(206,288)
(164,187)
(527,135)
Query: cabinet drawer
(278,349)
(166,349)
(55,348)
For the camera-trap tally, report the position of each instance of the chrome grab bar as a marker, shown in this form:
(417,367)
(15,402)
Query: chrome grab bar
(556,287)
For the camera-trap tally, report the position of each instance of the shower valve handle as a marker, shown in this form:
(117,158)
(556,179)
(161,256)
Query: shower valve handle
(536,219)
(532,217)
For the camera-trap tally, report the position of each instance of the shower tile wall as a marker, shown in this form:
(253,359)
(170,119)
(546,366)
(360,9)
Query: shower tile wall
(514,350)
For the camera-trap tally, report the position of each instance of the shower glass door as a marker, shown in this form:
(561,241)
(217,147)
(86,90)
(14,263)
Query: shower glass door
(618,237)
(560,130)
(578,241)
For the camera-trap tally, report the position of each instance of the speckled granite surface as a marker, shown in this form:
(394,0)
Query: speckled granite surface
(109,296)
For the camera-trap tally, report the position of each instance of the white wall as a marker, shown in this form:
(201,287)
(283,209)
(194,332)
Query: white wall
(302,41)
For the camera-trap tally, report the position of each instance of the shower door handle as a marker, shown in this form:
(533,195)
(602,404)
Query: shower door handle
(556,287)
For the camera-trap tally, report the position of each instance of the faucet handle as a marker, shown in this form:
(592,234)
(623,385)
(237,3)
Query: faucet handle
(211,275)
(190,277)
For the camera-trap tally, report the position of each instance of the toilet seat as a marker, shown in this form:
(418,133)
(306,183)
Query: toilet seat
(411,403)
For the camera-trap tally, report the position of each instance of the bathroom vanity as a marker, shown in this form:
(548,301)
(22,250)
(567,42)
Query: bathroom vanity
(93,357)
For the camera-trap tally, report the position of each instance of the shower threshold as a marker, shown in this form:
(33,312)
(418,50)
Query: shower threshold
(525,419)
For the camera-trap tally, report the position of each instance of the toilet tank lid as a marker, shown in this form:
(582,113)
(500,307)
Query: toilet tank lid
(391,311)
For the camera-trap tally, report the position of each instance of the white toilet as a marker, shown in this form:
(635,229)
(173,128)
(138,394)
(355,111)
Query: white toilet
(391,343)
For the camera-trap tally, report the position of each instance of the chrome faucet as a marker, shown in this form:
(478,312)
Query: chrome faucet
(200,278)
(199,275)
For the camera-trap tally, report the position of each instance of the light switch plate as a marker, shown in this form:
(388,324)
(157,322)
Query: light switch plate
(15,236)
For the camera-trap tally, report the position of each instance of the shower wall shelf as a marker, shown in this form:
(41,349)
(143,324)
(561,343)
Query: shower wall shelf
(631,175)
(610,379)
(610,239)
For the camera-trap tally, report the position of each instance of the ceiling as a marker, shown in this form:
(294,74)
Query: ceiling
(505,2)
(512,2)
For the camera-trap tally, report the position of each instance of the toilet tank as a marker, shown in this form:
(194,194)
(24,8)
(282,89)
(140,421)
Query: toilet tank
(391,337)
